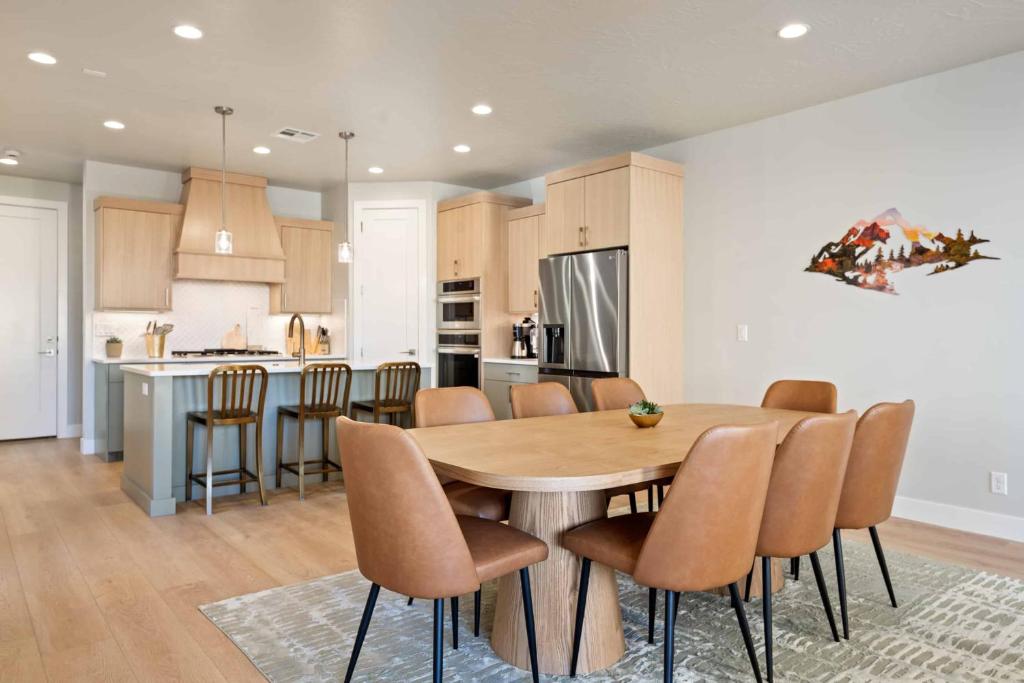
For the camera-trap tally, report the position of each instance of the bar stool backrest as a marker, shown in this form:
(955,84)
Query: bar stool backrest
(396,381)
(321,383)
(237,391)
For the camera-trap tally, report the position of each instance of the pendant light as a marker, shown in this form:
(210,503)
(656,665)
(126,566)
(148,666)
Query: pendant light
(345,248)
(222,242)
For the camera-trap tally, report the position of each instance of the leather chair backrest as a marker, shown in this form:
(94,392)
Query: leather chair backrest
(807,479)
(615,393)
(541,399)
(799,394)
(452,406)
(879,445)
(406,536)
(704,534)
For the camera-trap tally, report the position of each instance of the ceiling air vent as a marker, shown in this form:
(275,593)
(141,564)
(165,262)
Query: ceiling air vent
(296,135)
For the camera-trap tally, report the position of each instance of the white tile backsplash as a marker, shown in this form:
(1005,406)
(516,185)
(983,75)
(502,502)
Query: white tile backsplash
(203,313)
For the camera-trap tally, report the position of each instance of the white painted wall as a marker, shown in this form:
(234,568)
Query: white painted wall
(30,188)
(203,311)
(946,150)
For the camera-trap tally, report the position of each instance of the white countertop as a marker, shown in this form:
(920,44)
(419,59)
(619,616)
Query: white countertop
(145,360)
(203,369)
(512,361)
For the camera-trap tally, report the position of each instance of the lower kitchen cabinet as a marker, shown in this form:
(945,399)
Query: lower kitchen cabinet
(499,378)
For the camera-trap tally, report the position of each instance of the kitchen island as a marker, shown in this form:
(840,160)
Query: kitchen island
(156,399)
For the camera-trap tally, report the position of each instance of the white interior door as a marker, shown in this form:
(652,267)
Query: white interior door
(387,258)
(28,322)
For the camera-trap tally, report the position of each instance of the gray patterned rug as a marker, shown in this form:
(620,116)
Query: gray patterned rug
(953,624)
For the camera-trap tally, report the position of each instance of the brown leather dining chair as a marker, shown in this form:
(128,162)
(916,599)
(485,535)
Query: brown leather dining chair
(803,497)
(702,538)
(453,406)
(541,400)
(408,540)
(617,393)
(394,386)
(876,459)
(806,395)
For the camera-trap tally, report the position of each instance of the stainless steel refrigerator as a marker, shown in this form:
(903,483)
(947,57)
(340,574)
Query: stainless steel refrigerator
(584,320)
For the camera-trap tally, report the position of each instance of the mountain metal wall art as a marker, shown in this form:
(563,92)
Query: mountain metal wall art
(860,257)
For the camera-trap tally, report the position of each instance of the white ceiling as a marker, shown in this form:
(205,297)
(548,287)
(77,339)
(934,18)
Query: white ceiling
(568,79)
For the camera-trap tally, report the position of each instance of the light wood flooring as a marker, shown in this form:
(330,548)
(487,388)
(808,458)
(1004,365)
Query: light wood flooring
(93,589)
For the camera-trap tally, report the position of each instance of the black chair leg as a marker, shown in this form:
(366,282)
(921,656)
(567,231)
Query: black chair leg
(766,608)
(581,608)
(531,634)
(837,547)
(476,612)
(652,604)
(438,639)
(661,495)
(650,498)
(632,503)
(455,622)
(670,633)
(881,563)
(741,617)
(410,601)
(750,579)
(823,591)
(794,568)
(364,624)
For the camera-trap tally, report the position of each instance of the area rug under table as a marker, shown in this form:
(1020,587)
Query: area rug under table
(953,624)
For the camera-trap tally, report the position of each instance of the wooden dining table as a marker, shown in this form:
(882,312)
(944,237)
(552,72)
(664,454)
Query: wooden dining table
(558,469)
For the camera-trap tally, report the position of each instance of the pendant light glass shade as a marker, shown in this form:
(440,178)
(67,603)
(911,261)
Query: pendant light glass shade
(345,254)
(222,242)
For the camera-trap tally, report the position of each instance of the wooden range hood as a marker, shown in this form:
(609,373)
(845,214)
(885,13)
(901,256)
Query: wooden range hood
(256,256)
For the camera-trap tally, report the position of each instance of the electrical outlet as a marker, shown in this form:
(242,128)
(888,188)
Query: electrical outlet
(742,334)
(145,389)
(997,483)
(102,330)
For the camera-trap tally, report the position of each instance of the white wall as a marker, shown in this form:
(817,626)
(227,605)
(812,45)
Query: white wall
(203,311)
(947,151)
(30,188)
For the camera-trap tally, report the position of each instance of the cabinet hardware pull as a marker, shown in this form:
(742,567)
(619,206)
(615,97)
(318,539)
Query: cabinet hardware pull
(535,298)
(456,267)
(580,236)
(514,373)
(167,297)
(586,235)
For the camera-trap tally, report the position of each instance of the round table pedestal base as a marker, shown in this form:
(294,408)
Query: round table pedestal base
(555,585)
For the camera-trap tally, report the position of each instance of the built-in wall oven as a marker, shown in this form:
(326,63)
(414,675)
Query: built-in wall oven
(458,358)
(458,305)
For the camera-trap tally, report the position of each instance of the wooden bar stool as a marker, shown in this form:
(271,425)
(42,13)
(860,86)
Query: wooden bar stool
(394,388)
(237,390)
(319,387)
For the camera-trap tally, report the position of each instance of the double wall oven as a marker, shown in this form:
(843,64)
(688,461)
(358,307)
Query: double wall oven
(459,333)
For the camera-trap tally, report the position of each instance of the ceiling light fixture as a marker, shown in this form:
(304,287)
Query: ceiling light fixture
(376,170)
(222,241)
(462,149)
(95,73)
(188,32)
(260,149)
(10,157)
(113,125)
(790,31)
(345,254)
(42,58)
(482,109)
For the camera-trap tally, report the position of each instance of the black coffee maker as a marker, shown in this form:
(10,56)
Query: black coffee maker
(524,339)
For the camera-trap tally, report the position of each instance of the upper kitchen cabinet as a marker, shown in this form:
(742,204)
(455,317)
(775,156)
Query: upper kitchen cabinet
(472,241)
(307,267)
(591,206)
(135,253)
(525,227)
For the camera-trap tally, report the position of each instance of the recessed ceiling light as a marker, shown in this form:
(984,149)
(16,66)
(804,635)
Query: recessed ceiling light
(260,149)
(42,58)
(10,157)
(462,149)
(482,109)
(186,31)
(375,170)
(114,125)
(793,30)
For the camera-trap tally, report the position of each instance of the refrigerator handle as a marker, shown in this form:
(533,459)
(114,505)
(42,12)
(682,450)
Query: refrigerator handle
(622,272)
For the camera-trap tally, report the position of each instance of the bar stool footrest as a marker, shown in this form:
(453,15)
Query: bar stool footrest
(293,467)
(249,478)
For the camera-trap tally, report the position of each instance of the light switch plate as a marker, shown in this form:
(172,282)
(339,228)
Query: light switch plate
(145,389)
(998,483)
(742,333)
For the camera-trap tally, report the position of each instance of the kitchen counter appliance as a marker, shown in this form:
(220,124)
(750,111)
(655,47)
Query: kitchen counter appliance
(214,353)
(524,339)
(458,358)
(584,332)
(458,305)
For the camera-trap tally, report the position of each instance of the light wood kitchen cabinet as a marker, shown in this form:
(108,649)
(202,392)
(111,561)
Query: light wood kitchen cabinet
(307,267)
(134,258)
(472,241)
(563,214)
(525,227)
(606,209)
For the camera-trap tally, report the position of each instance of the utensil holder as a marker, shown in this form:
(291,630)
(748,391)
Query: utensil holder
(155,345)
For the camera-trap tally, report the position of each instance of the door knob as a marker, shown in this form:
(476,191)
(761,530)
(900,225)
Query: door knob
(411,352)
(48,352)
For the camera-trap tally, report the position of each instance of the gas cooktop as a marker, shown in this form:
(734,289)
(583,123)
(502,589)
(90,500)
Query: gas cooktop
(205,353)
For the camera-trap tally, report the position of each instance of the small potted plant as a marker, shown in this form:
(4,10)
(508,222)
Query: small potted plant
(114,347)
(645,414)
